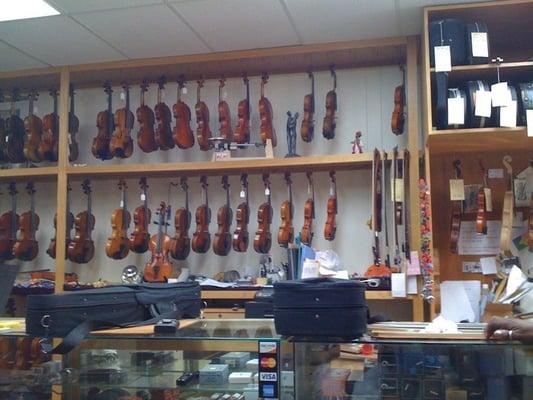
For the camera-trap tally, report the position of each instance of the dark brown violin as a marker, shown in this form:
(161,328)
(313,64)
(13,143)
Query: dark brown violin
(457,210)
(159,268)
(9,226)
(201,240)
(308,124)
(286,229)
(146,118)
(481,215)
(163,132)
(309,212)
(50,136)
(15,132)
(242,130)
(183,134)
(118,244)
(224,114)
(330,120)
(180,246)
(81,247)
(141,218)
(398,113)
(263,237)
(51,251)
(26,247)
(105,125)
(203,132)
(34,130)
(242,217)
(121,143)
(266,115)
(73,127)
(222,239)
(330,229)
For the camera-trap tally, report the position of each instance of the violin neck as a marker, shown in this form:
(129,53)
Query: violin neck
(145,206)
(110,111)
(187,199)
(13,214)
(124,207)
(248,97)
(160,230)
(227,196)
(89,213)
(31,104)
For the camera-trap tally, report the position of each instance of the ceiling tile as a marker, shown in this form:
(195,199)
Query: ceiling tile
(333,20)
(75,6)
(11,59)
(144,32)
(239,24)
(57,40)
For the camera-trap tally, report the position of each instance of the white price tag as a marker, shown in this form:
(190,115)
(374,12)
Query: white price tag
(143,197)
(488,199)
(331,191)
(495,173)
(224,95)
(121,203)
(398,285)
(529,121)
(501,95)
(483,104)
(122,96)
(183,90)
(456,111)
(235,236)
(267,191)
(457,189)
(242,194)
(480,44)
(398,189)
(443,59)
(508,115)
(35,110)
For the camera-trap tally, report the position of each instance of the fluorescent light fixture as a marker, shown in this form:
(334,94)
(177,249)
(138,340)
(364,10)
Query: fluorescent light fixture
(22,9)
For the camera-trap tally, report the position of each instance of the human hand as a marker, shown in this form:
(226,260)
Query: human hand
(500,328)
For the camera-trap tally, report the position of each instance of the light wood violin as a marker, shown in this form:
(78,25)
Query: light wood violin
(309,212)
(51,251)
(81,248)
(201,240)
(146,118)
(118,244)
(159,268)
(508,210)
(308,124)
(266,115)
(180,245)
(121,143)
(330,120)
(34,130)
(140,237)
(286,229)
(222,239)
(263,237)
(9,226)
(203,132)
(26,247)
(457,210)
(242,217)
(50,137)
(481,215)
(330,229)
(183,134)
(224,114)
(242,130)
(163,132)
(105,124)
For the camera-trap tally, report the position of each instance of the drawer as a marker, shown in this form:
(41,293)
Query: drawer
(223,313)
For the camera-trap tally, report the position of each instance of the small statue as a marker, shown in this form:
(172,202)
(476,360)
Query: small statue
(357,146)
(291,134)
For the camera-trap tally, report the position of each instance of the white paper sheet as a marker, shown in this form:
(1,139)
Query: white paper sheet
(456,111)
(480,44)
(460,300)
(443,59)
(472,243)
(501,95)
(488,265)
(483,104)
(412,285)
(398,285)
(508,115)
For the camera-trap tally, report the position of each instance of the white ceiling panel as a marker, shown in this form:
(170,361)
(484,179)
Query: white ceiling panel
(75,6)
(239,24)
(326,21)
(56,40)
(144,32)
(11,59)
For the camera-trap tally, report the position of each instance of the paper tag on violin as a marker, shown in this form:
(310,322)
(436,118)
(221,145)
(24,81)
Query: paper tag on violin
(501,95)
(235,236)
(398,190)
(529,122)
(508,115)
(222,155)
(242,194)
(456,111)
(183,90)
(457,189)
(480,44)
(267,192)
(121,203)
(443,59)
(122,96)
(143,197)
(483,104)
(488,199)
(35,110)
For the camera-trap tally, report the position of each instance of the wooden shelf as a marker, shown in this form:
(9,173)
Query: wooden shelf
(37,173)
(514,70)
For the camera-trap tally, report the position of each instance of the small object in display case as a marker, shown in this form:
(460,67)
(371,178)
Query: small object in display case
(412,363)
(252,365)
(448,32)
(333,383)
(214,374)
(388,364)
(110,376)
(235,359)
(240,377)
(434,389)
(166,326)
(186,378)
(410,388)
(388,387)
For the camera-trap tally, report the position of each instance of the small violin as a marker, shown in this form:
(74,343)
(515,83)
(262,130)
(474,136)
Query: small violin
(118,244)
(201,240)
(266,115)
(140,237)
(163,132)
(398,113)
(224,114)
(51,251)
(34,130)
(481,215)
(330,120)
(508,210)
(121,143)
(183,134)
(15,133)
(357,147)
(105,125)
(457,210)
(159,268)
(331,225)
(203,132)
(309,212)
(146,118)
(241,236)
(308,124)
(286,230)
(73,127)
(222,239)
(26,247)
(263,237)
(180,245)
(50,137)
(242,130)
(9,226)
(81,247)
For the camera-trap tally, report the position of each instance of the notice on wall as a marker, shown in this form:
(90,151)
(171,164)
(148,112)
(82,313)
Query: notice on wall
(473,244)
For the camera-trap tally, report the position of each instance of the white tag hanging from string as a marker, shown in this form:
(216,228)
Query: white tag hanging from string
(480,44)
(443,59)
(123,95)
(35,110)
(121,203)
(184,90)
(529,122)
(457,190)
(488,199)
(483,104)
(242,195)
(224,95)
(331,191)
(143,197)
(456,111)
(508,115)
(501,95)
(267,191)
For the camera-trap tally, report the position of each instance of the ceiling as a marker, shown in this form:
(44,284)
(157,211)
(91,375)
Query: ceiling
(106,30)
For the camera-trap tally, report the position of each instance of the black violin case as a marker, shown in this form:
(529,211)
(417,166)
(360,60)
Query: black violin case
(448,32)
(472,120)
(320,307)
(526,100)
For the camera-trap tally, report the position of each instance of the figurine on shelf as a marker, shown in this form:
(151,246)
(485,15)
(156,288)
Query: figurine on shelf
(291,134)
(357,146)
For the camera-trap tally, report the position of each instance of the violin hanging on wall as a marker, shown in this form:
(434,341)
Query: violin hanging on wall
(159,268)
(481,215)
(180,245)
(308,123)
(81,248)
(330,229)
(26,247)
(457,211)
(163,132)
(50,138)
(222,239)
(224,114)
(121,143)
(9,226)
(140,237)
(34,130)
(146,118)
(266,115)
(183,134)
(309,212)
(15,132)
(203,133)
(398,113)
(51,251)
(242,217)
(330,120)
(242,130)
(507,210)
(201,240)
(118,244)
(286,229)
(263,237)
(73,127)
(105,125)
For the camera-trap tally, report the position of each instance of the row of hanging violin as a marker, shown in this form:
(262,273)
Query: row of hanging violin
(34,139)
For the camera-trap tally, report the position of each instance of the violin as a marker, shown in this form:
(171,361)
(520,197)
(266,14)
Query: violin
(73,127)
(309,212)
(242,130)
(308,124)
(508,210)
(105,125)
(201,240)
(163,131)
(7,353)
(15,132)
(183,134)
(222,239)
(141,218)
(224,114)
(26,247)
(121,143)
(330,229)
(266,115)
(263,237)
(457,210)
(81,248)
(159,268)
(118,244)
(481,215)
(241,236)
(146,118)
(180,246)
(50,137)
(34,130)
(51,251)
(398,113)
(330,120)
(286,230)
(202,119)
(9,226)
(357,146)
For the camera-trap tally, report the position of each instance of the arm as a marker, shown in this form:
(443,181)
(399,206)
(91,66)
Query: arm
(498,329)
